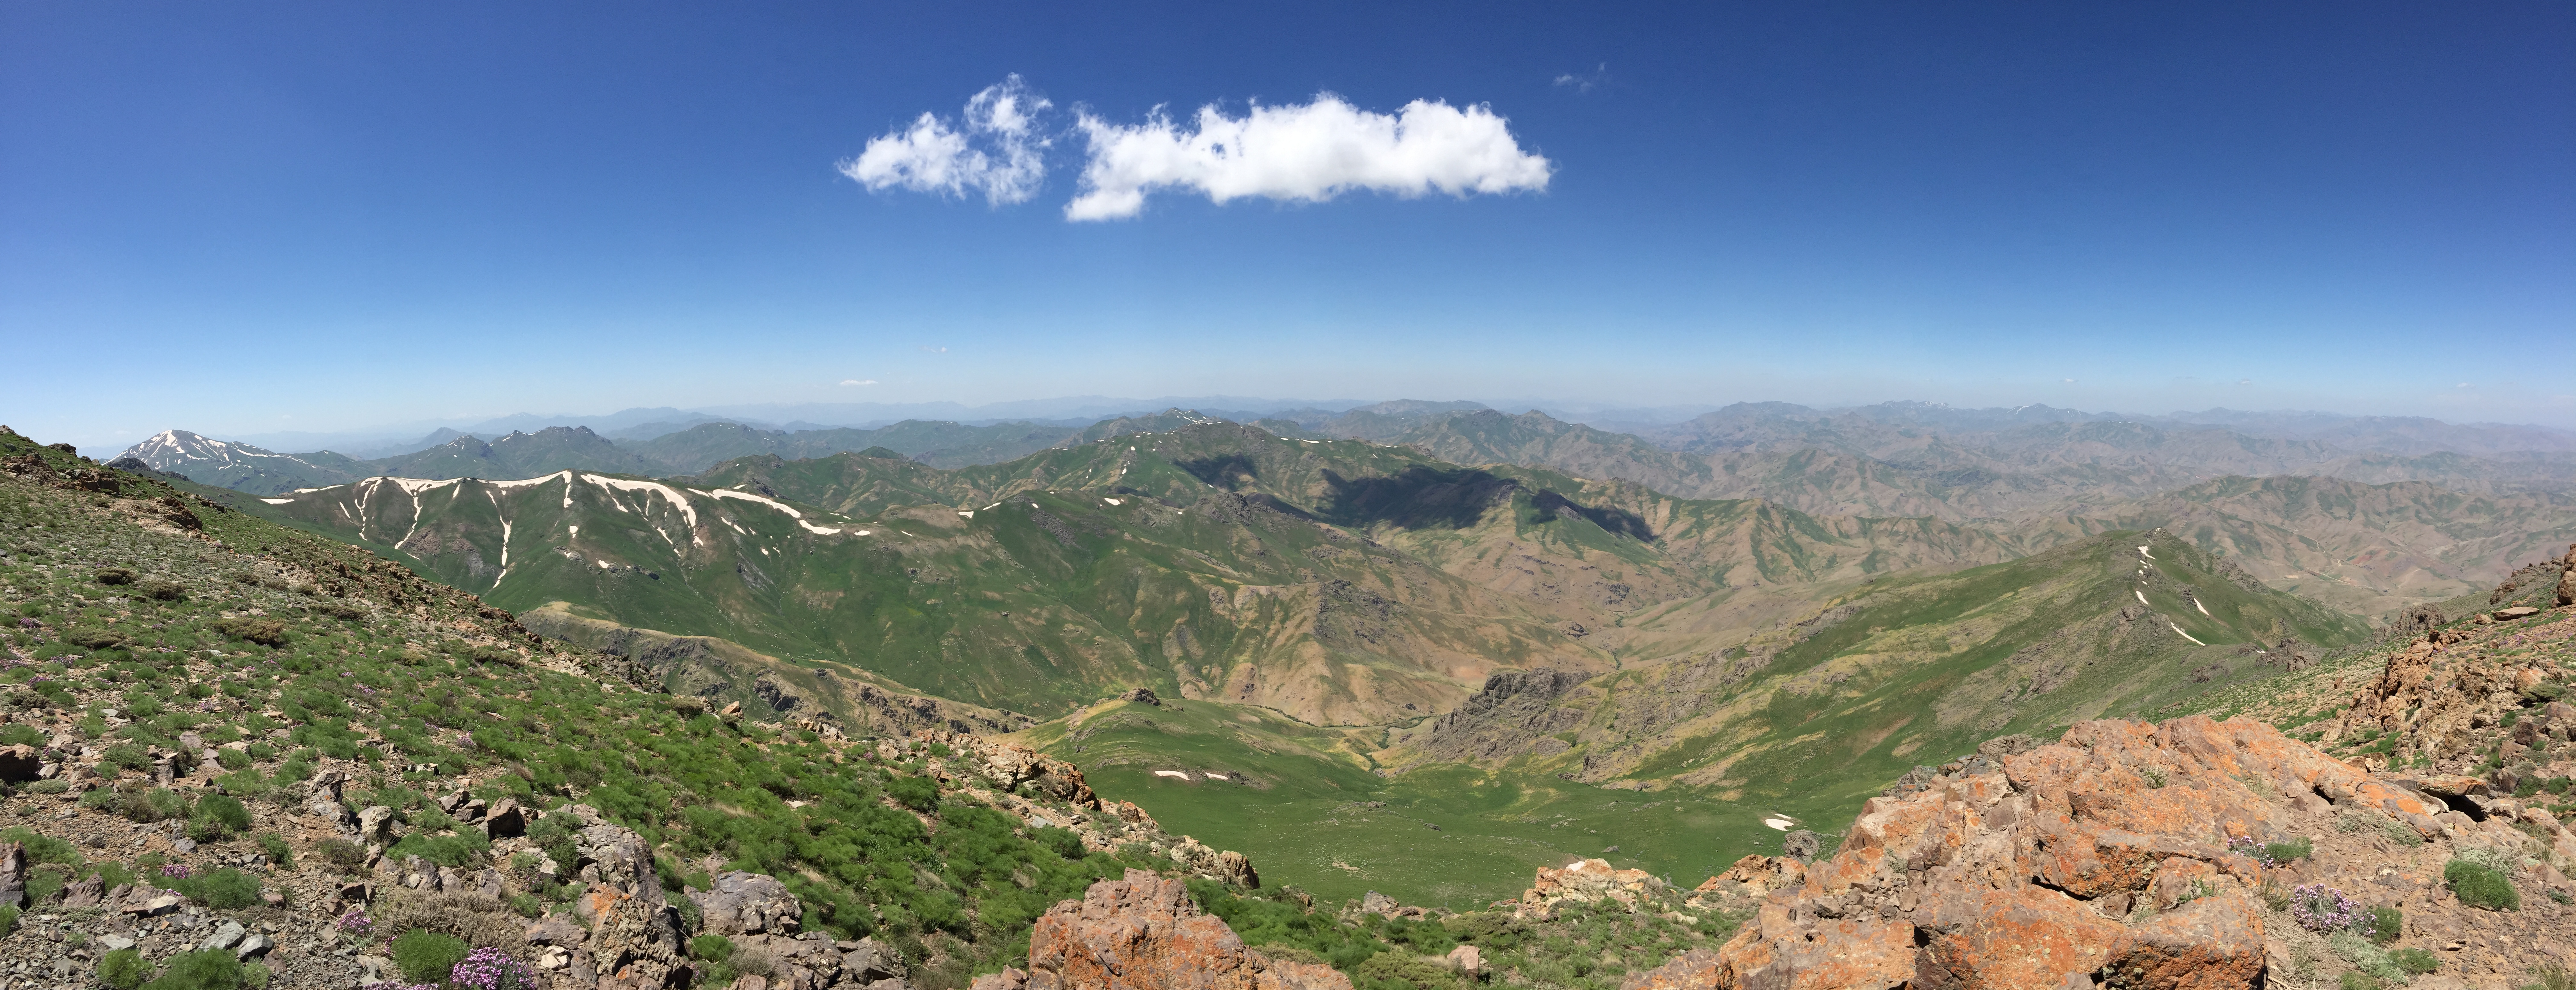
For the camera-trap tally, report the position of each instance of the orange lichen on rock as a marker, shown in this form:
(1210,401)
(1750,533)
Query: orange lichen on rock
(2024,878)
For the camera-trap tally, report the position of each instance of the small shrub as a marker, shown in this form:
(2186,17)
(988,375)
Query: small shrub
(209,969)
(232,759)
(115,575)
(342,854)
(2382,925)
(1064,842)
(2290,851)
(224,815)
(712,948)
(275,848)
(425,956)
(2416,961)
(2552,976)
(2480,886)
(257,975)
(166,591)
(122,969)
(2359,981)
(2364,956)
(8,919)
(226,889)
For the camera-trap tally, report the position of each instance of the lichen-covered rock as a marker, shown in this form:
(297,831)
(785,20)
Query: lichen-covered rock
(1587,881)
(635,938)
(746,903)
(1013,766)
(1145,933)
(2025,877)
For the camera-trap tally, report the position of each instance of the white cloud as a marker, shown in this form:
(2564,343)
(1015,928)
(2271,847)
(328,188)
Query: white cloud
(858,381)
(1311,152)
(1586,82)
(995,149)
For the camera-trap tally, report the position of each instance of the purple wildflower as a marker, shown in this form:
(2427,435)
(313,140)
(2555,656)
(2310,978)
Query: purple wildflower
(176,871)
(2319,908)
(488,968)
(2247,846)
(356,921)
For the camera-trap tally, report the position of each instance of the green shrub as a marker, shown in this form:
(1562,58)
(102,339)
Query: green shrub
(122,969)
(225,889)
(275,847)
(257,975)
(158,804)
(8,919)
(218,816)
(712,948)
(342,854)
(2359,981)
(466,848)
(209,969)
(232,759)
(2364,956)
(2416,961)
(917,793)
(2381,925)
(425,956)
(1064,842)
(126,756)
(2295,849)
(2481,886)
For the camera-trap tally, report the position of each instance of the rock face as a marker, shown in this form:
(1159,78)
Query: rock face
(1144,933)
(18,762)
(2025,877)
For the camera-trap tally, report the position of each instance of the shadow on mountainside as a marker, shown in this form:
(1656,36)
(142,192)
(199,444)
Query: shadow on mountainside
(1431,498)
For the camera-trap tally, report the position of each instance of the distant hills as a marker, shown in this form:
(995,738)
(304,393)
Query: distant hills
(2467,503)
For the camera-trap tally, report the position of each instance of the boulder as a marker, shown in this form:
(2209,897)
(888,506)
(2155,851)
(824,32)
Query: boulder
(376,824)
(505,820)
(1467,960)
(1586,881)
(2516,612)
(635,941)
(2024,876)
(746,903)
(868,961)
(13,875)
(19,762)
(1145,933)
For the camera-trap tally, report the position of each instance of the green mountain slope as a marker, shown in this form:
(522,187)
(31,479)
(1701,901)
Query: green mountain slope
(1815,715)
(2368,549)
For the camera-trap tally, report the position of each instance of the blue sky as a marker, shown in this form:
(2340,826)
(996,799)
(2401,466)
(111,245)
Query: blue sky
(248,218)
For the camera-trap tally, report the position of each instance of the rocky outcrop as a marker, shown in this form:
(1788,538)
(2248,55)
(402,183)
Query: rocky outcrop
(2026,877)
(635,940)
(1012,766)
(1513,710)
(1589,881)
(745,904)
(1145,933)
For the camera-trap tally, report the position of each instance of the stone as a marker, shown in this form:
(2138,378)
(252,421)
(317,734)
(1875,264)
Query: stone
(1467,960)
(1379,904)
(376,824)
(225,937)
(1145,932)
(741,903)
(87,892)
(2516,612)
(1801,845)
(115,943)
(505,820)
(869,961)
(19,762)
(1142,696)
(2567,587)
(13,875)
(155,906)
